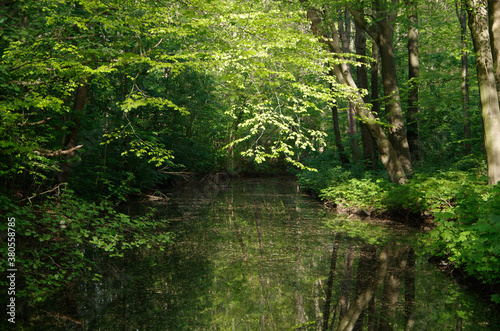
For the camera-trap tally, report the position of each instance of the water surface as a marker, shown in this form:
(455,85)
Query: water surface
(257,254)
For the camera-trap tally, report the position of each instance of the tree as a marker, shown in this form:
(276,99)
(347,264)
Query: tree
(369,153)
(490,109)
(413,75)
(274,88)
(381,29)
(342,72)
(464,86)
(344,29)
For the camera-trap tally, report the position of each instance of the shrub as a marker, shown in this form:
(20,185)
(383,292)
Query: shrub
(365,193)
(468,233)
(329,173)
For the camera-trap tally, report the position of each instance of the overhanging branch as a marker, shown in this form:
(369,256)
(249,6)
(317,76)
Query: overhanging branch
(60,152)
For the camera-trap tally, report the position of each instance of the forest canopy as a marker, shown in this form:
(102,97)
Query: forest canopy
(92,86)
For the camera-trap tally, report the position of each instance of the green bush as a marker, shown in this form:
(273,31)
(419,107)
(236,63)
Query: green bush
(365,193)
(468,234)
(329,173)
(427,192)
(424,193)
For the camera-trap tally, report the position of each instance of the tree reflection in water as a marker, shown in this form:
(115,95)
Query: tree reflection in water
(262,256)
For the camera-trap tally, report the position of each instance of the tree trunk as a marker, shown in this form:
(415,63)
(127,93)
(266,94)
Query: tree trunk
(387,154)
(375,73)
(464,86)
(352,128)
(375,87)
(71,138)
(494,28)
(413,68)
(232,136)
(478,24)
(338,140)
(382,32)
(369,155)
(397,130)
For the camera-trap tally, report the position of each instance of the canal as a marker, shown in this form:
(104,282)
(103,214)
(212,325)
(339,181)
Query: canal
(258,254)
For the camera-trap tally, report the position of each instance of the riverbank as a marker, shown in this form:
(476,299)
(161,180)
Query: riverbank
(459,213)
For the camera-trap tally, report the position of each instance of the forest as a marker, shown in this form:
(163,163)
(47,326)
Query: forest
(382,107)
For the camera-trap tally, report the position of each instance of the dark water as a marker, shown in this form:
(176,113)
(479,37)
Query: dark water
(260,255)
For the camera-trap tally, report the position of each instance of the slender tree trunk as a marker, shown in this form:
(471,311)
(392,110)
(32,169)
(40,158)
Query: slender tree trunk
(375,74)
(352,128)
(336,130)
(464,86)
(369,155)
(232,137)
(413,73)
(375,90)
(460,320)
(478,24)
(338,140)
(71,139)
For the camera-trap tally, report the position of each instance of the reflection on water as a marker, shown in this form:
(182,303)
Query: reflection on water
(256,255)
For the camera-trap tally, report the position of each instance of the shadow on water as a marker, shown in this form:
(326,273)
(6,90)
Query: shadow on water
(259,255)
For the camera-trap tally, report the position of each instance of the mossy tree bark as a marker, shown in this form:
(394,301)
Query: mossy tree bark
(490,110)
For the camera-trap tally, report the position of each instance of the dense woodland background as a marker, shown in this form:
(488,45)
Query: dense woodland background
(385,106)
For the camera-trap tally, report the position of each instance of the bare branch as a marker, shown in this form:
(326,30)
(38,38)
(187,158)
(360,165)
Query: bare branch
(35,123)
(57,153)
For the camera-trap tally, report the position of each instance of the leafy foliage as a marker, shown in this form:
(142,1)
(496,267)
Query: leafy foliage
(55,238)
(204,86)
(468,233)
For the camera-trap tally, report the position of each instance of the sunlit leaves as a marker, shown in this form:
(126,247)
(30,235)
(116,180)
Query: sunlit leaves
(269,69)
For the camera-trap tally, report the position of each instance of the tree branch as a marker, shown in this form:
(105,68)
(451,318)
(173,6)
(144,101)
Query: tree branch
(35,123)
(58,152)
(359,16)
